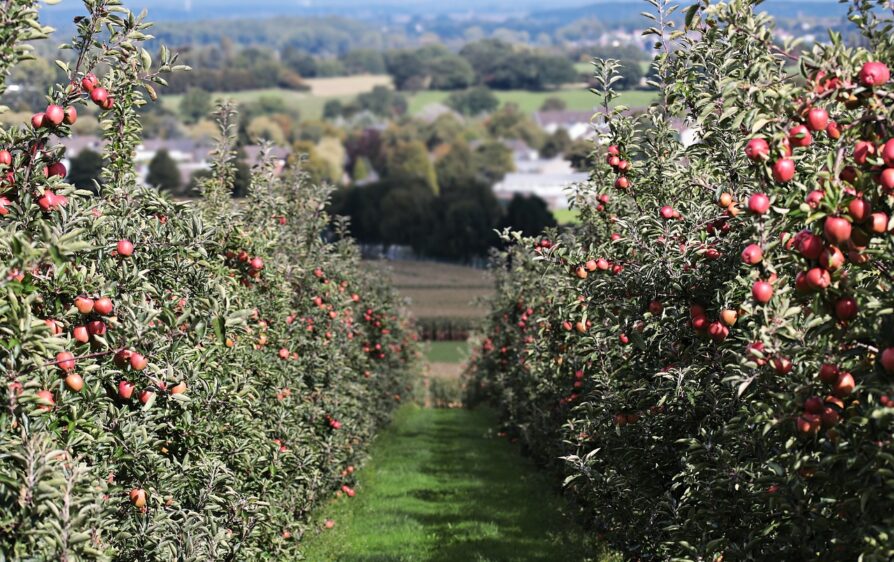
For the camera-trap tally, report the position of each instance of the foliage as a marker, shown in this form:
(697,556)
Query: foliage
(238,366)
(163,172)
(195,105)
(715,366)
(472,102)
(528,215)
(85,169)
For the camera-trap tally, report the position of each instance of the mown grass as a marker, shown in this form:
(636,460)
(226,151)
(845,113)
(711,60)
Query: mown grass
(566,216)
(442,487)
(447,351)
(577,99)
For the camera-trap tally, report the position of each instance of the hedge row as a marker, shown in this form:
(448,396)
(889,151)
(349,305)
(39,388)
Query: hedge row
(182,381)
(709,358)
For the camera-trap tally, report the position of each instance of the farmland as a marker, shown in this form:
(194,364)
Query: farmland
(310,104)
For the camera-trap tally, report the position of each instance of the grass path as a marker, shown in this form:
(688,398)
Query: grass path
(442,487)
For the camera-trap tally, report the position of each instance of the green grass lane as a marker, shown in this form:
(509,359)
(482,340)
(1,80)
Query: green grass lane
(442,487)
(447,351)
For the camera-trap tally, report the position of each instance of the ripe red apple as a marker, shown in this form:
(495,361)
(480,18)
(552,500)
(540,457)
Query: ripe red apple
(71,115)
(837,230)
(65,361)
(729,317)
(814,197)
(103,306)
(38,120)
(829,417)
(752,254)
(622,182)
(810,245)
(99,95)
(801,284)
(784,170)
(887,360)
(256,263)
(886,179)
(800,136)
(4,206)
(844,385)
(54,115)
(179,388)
(718,332)
(817,119)
(832,258)
(862,151)
(602,264)
(145,395)
(759,203)
(614,150)
(74,382)
(762,291)
(5,158)
(624,339)
(879,223)
(818,278)
(846,308)
(888,152)
(138,497)
(124,248)
(828,373)
(125,390)
(874,74)
(833,130)
(89,82)
(138,362)
(655,307)
(84,305)
(755,352)
(859,209)
(56,169)
(667,212)
(814,405)
(81,334)
(96,328)
(808,424)
(757,149)
(46,400)
(782,365)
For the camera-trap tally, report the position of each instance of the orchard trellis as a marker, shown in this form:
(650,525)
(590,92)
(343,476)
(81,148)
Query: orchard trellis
(712,351)
(181,381)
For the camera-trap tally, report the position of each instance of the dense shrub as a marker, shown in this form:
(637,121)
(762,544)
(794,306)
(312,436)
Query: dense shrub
(181,381)
(711,354)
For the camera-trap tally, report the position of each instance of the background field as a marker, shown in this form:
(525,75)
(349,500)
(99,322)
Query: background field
(310,104)
(437,290)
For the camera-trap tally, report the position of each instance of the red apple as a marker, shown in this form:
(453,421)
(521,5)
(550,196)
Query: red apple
(99,95)
(818,278)
(124,248)
(138,362)
(879,223)
(808,424)
(38,120)
(800,136)
(828,373)
(757,149)
(89,82)
(886,179)
(784,170)
(846,308)
(837,230)
(874,74)
(817,119)
(859,209)
(74,382)
(54,115)
(65,361)
(103,306)
(810,245)
(782,365)
(84,305)
(759,203)
(46,400)
(832,258)
(887,360)
(125,390)
(752,254)
(138,497)
(71,116)
(862,151)
(762,291)
(844,385)
(814,405)
(81,334)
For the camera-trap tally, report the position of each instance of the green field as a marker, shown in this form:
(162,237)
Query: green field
(306,104)
(579,99)
(442,487)
(447,351)
(566,216)
(310,104)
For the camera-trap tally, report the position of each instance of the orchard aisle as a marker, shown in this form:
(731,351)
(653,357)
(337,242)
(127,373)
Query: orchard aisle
(441,486)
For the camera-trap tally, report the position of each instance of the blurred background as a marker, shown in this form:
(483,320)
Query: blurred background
(438,123)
